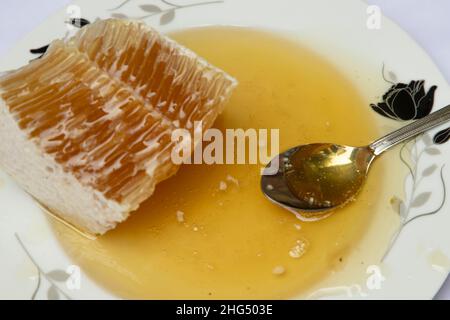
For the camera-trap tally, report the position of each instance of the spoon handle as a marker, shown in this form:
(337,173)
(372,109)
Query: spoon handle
(411,130)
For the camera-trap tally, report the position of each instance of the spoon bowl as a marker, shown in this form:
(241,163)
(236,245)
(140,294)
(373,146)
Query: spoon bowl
(313,179)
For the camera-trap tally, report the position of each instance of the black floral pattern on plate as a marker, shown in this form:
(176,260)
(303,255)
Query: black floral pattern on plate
(406,101)
(76,22)
(403,102)
(442,136)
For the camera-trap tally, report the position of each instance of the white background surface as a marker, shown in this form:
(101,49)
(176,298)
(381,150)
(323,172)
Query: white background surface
(426,21)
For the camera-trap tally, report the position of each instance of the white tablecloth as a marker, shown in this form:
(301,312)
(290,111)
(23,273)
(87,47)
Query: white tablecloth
(427,22)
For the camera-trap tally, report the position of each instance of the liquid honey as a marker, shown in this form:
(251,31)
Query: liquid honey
(208,232)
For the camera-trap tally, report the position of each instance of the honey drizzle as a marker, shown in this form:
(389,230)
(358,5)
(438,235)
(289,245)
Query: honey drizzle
(57,218)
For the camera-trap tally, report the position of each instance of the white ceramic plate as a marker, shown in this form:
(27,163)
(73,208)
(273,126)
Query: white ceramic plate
(33,265)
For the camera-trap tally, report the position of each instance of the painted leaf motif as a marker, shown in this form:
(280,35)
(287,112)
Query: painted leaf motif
(150,8)
(429,171)
(167,17)
(432,151)
(399,206)
(392,76)
(39,50)
(442,136)
(421,199)
(79,22)
(426,103)
(58,275)
(427,139)
(119,16)
(52,293)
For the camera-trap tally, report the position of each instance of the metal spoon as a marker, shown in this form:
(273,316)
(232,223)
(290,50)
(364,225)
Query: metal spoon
(311,180)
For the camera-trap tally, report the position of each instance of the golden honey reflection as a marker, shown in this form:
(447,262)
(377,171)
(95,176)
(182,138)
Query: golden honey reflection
(325,176)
